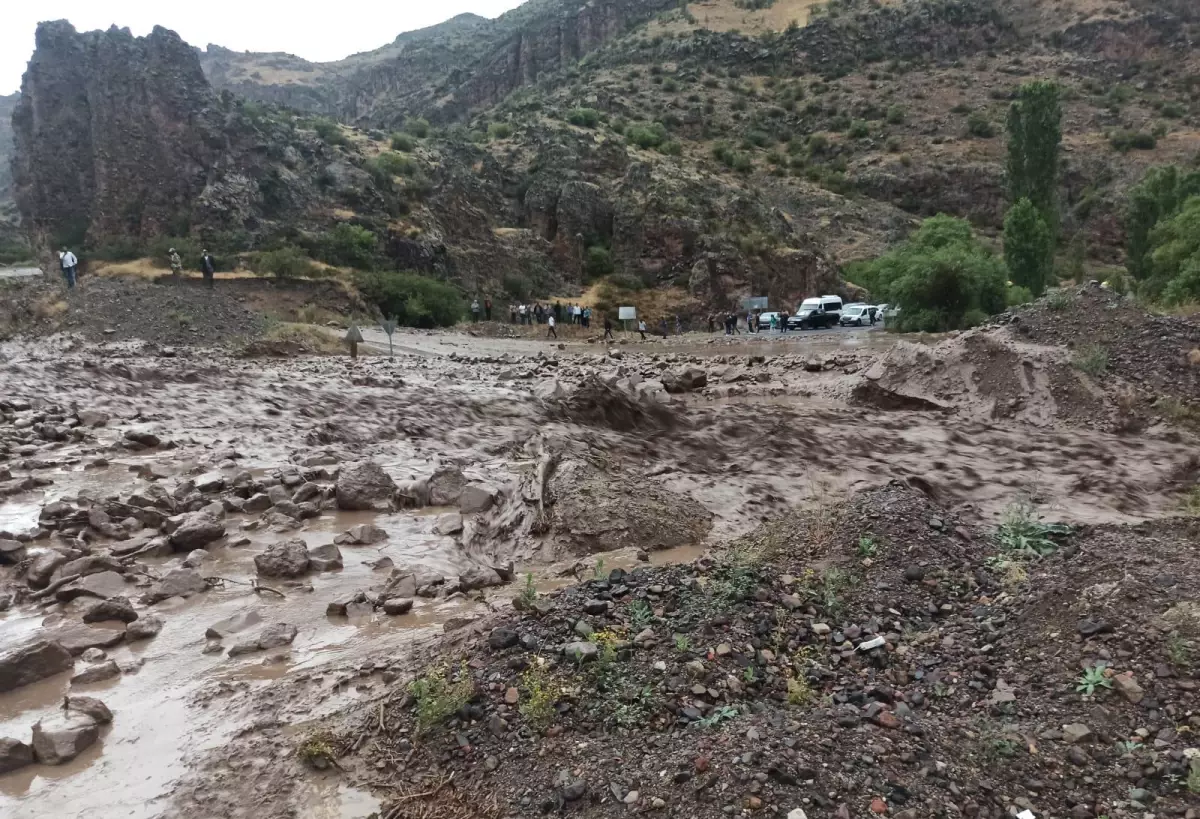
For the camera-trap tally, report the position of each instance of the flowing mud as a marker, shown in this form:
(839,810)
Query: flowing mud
(499,457)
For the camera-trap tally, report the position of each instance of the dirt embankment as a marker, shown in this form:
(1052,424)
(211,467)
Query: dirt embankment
(876,657)
(160,312)
(1081,358)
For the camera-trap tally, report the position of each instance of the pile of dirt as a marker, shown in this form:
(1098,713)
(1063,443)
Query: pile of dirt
(1157,355)
(127,309)
(872,658)
(597,403)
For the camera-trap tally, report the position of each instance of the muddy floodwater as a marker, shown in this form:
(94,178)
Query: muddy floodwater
(96,426)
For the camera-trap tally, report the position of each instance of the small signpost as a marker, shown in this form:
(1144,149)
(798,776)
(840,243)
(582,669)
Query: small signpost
(389,326)
(755,303)
(626,315)
(353,337)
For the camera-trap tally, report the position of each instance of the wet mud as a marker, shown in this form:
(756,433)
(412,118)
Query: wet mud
(565,436)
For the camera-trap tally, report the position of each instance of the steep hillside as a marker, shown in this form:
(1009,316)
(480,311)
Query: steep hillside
(725,148)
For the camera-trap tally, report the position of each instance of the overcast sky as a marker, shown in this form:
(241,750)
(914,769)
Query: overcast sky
(315,31)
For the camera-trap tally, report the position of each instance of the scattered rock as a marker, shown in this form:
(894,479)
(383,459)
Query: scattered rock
(63,737)
(90,706)
(273,636)
(397,605)
(235,624)
(325,558)
(446,486)
(114,608)
(176,583)
(450,523)
(32,662)
(364,486)
(144,627)
(478,577)
(287,559)
(476,498)
(194,530)
(14,754)
(97,673)
(362,534)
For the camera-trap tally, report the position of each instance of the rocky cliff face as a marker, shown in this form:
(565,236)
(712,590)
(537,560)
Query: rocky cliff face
(114,134)
(7,104)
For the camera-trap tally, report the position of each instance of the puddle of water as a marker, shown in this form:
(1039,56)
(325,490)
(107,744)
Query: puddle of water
(334,800)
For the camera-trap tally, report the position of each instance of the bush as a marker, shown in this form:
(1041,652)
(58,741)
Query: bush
(859,129)
(742,163)
(123,249)
(1175,254)
(942,277)
(14,249)
(394,164)
(348,245)
(329,131)
(285,263)
(1017,295)
(647,136)
(626,281)
(978,125)
(403,142)
(671,148)
(584,117)
(499,130)
(818,144)
(414,300)
(417,126)
(1125,141)
(597,262)
(758,139)
(895,115)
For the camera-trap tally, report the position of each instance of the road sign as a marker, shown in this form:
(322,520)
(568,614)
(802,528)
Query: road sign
(627,313)
(755,303)
(353,338)
(389,326)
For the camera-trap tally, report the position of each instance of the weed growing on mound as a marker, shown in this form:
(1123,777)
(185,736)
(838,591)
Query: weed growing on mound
(1093,677)
(438,698)
(541,694)
(1023,533)
(1091,359)
(317,750)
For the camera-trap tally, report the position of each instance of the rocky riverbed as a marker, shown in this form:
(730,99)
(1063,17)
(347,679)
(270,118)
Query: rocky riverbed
(247,562)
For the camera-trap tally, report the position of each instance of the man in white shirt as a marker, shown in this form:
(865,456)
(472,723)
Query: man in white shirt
(69,263)
(551,333)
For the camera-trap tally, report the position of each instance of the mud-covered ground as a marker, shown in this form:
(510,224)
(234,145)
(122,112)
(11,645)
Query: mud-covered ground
(502,457)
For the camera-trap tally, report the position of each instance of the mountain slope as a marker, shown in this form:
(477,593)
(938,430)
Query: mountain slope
(630,138)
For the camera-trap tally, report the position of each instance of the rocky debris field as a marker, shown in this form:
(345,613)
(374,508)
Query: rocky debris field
(873,657)
(195,527)
(102,309)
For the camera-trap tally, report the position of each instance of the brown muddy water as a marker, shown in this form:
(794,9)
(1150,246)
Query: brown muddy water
(784,441)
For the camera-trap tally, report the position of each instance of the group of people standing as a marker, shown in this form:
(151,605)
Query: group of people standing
(754,324)
(68,262)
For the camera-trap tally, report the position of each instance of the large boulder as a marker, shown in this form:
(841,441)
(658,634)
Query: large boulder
(446,485)
(176,583)
(90,706)
(114,608)
(63,737)
(477,497)
(195,530)
(685,380)
(97,673)
(103,585)
(287,559)
(14,754)
(32,662)
(144,628)
(78,639)
(325,558)
(364,485)
(478,577)
(43,567)
(273,636)
(361,534)
(11,553)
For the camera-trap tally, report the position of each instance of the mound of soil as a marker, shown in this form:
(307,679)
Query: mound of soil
(597,403)
(873,658)
(126,309)
(1155,354)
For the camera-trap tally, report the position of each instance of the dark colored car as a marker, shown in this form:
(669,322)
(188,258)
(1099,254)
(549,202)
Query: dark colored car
(812,318)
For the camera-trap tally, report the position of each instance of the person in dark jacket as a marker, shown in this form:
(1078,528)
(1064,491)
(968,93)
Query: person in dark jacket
(608,328)
(208,267)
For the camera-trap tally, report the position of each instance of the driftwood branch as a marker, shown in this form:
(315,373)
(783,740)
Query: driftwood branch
(55,586)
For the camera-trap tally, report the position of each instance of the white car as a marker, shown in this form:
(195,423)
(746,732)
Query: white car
(857,314)
(764,320)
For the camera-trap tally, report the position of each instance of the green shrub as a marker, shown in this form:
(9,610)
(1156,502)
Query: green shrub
(394,164)
(627,281)
(647,136)
(978,125)
(895,115)
(123,249)
(285,263)
(499,130)
(598,262)
(584,117)
(417,126)
(818,144)
(1125,141)
(1173,110)
(348,245)
(742,163)
(859,129)
(438,699)
(1017,295)
(671,147)
(943,277)
(758,139)
(414,300)
(403,142)
(14,249)
(329,131)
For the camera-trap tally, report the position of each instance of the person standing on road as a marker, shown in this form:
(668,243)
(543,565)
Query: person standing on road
(487,307)
(678,325)
(783,317)
(68,263)
(642,328)
(774,321)
(662,327)
(475,310)
(176,265)
(551,332)
(208,267)
(608,329)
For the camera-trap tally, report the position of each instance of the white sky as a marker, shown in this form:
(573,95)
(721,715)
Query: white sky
(314,31)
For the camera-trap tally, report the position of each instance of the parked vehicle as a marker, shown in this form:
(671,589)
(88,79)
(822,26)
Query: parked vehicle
(857,314)
(816,313)
(764,320)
